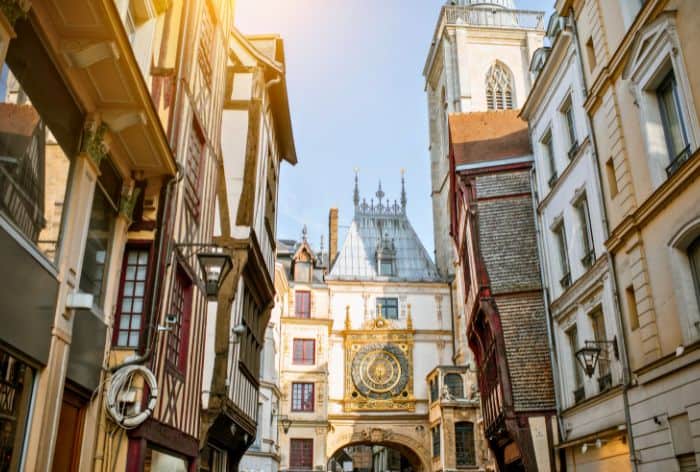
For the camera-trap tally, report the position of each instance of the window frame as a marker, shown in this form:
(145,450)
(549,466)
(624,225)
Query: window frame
(194,164)
(177,342)
(451,375)
(306,446)
(436,441)
(303,406)
(469,447)
(138,247)
(670,85)
(559,231)
(587,242)
(302,358)
(567,111)
(547,143)
(386,306)
(300,313)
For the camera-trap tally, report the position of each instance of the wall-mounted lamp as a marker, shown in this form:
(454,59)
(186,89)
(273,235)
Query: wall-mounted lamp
(285,422)
(589,354)
(215,265)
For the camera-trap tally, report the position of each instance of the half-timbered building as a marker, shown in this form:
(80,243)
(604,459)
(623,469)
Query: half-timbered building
(257,140)
(494,231)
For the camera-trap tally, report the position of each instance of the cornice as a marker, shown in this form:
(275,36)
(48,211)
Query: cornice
(307,321)
(617,61)
(582,288)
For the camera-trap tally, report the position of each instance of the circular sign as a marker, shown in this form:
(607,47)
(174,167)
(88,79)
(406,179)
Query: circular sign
(380,371)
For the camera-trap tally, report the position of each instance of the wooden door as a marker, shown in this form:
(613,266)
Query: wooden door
(70,431)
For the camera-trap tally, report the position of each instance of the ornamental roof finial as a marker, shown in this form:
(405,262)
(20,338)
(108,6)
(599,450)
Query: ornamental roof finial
(304,233)
(380,193)
(356,193)
(403,190)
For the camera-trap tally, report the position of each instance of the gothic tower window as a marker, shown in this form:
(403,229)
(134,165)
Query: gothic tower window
(499,88)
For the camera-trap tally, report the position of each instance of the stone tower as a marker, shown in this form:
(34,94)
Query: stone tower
(478,60)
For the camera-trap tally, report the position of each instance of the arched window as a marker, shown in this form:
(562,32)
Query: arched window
(464,444)
(499,88)
(455,385)
(694,256)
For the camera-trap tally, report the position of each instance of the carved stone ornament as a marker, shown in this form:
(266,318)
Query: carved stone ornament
(14,9)
(128,202)
(93,142)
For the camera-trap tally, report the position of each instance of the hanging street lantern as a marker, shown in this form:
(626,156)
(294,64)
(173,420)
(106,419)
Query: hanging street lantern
(589,355)
(215,266)
(286,424)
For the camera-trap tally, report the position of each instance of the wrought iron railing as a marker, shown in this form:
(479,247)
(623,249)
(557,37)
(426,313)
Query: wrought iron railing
(678,161)
(579,394)
(493,17)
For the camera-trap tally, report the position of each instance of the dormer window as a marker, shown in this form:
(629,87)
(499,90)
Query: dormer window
(386,257)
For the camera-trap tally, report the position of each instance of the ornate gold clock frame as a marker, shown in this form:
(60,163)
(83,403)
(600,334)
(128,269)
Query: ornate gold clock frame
(379,366)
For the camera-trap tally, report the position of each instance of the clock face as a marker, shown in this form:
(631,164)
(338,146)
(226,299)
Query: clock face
(380,371)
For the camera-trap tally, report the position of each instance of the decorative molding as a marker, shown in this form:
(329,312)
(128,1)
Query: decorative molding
(128,202)
(14,9)
(94,142)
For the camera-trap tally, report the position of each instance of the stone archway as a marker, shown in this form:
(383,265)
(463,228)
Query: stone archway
(408,446)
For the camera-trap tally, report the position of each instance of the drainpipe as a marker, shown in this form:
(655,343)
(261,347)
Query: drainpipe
(545,290)
(626,371)
(153,309)
(450,280)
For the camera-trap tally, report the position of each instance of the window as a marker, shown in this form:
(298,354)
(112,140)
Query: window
(599,334)
(16,384)
(590,53)
(579,392)
(499,88)
(303,397)
(180,306)
(548,151)
(455,385)
(302,271)
(584,220)
(195,157)
(434,390)
(560,235)
(672,120)
(98,244)
(37,140)
(252,340)
(436,441)
(206,40)
(568,112)
(388,307)
(464,444)
(301,453)
(694,256)
(302,304)
(612,177)
(632,313)
(386,267)
(131,308)
(682,437)
(304,351)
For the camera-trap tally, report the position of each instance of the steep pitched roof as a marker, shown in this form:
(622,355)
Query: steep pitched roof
(488,136)
(382,227)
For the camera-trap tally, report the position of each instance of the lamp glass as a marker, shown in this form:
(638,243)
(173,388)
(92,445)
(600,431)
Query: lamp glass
(215,266)
(588,358)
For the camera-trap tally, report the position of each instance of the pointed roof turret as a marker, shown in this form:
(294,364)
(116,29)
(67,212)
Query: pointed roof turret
(403,191)
(356,193)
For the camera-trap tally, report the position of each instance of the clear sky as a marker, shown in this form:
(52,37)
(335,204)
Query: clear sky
(354,74)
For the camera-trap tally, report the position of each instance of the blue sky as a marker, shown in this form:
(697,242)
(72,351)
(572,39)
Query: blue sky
(354,74)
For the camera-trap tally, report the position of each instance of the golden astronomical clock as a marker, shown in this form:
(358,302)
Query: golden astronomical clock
(379,369)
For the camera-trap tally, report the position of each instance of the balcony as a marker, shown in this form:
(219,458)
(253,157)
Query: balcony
(552,180)
(579,394)
(493,17)
(604,382)
(565,281)
(588,259)
(573,150)
(678,161)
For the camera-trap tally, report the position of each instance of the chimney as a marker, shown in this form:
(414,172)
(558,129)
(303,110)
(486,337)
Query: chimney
(332,236)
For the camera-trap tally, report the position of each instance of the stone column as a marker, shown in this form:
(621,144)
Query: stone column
(51,380)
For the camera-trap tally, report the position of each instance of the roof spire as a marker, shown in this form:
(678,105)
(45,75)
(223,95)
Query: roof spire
(403,190)
(304,232)
(356,193)
(380,193)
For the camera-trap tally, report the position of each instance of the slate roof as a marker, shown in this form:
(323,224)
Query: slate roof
(488,136)
(382,226)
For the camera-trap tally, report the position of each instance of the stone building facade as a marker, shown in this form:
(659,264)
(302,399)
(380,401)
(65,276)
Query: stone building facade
(494,228)
(577,270)
(366,371)
(643,87)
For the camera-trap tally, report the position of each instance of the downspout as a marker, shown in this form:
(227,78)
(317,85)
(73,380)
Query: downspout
(150,339)
(153,309)
(545,290)
(450,280)
(626,373)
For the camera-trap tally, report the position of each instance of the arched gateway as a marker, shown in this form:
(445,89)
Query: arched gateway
(367,351)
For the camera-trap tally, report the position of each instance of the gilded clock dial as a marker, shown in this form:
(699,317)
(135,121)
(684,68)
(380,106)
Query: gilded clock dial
(380,371)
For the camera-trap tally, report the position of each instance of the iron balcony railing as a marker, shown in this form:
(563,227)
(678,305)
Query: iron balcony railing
(493,17)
